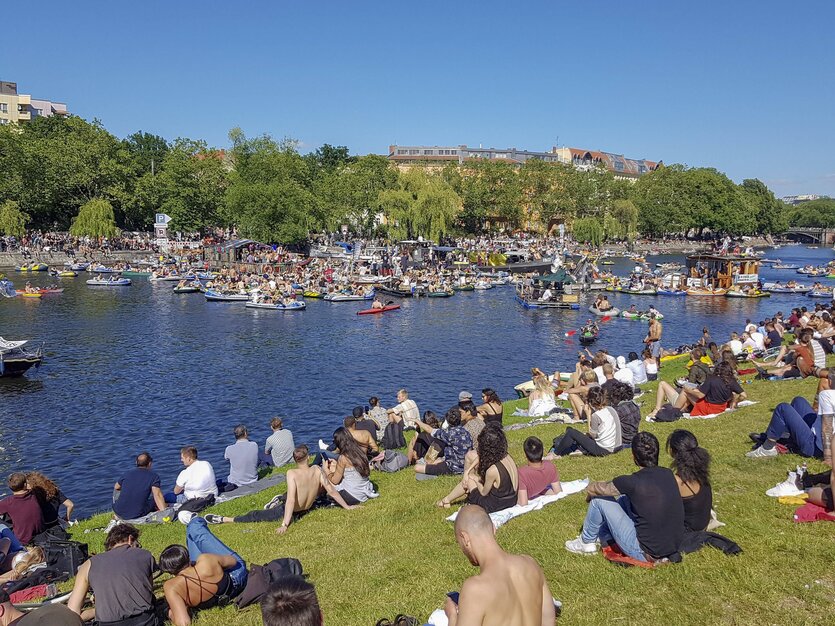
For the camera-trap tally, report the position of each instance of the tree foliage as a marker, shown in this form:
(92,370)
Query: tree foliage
(588,230)
(95,219)
(12,220)
(814,214)
(423,205)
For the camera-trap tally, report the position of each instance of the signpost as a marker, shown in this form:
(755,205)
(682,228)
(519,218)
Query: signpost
(161,231)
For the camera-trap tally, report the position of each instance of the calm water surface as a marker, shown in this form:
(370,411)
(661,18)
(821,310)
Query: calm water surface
(142,368)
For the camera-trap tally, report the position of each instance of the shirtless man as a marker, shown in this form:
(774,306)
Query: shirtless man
(653,339)
(305,484)
(510,589)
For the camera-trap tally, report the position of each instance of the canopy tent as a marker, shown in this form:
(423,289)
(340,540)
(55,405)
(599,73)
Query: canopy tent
(561,276)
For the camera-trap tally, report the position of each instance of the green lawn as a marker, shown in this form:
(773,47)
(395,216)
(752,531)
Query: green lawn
(398,555)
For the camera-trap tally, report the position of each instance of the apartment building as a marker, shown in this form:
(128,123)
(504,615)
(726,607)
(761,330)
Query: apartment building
(438,156)
(17,107)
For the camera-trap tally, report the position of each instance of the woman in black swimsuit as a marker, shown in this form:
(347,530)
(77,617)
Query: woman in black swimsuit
(491,410)
(492,480)
(691,466)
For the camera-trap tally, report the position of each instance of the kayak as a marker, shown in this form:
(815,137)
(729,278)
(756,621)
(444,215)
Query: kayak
(30,295)
(613,312)
(296,306)
(671,292)
(385,309)
(742,294)
(119,282)
(440,294)
(640,315)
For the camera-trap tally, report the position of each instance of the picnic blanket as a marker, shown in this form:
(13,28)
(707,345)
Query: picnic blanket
(687,416)
(251,489)
(554,418)
(812,513)
(500,518)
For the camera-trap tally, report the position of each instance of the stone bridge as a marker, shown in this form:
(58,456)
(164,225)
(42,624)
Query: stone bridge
(822,236)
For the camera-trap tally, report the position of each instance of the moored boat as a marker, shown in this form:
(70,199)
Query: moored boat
(16,360)
(295,306)
(613,312)
(440,294)
(109,282)
(216,296)
(347,297)
(734,293)
(706,292)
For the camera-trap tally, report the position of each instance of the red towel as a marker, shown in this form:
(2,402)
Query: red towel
(812,513)
(614,554)
(24,595)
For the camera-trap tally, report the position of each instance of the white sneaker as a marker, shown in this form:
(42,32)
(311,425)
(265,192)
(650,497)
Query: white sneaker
(762,453)
(786,488)
(185,517)
(578,546)
(322,445)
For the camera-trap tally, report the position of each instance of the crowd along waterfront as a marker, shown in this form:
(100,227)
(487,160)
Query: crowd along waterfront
(144,369)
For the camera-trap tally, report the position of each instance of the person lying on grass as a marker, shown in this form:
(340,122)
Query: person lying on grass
(720,391)
(538,477)
(306,484)
(509,590)
(205,574)
(642,513)
(490,476)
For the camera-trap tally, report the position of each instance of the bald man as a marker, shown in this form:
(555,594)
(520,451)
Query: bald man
(509,590)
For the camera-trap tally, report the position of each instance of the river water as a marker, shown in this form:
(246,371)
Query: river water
(140,368)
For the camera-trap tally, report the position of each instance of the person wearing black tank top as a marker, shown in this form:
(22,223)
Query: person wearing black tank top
(691,467)
(492,409)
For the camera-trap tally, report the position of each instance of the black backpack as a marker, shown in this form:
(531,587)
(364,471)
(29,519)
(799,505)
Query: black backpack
(65,556)
(393,436)
(261,577)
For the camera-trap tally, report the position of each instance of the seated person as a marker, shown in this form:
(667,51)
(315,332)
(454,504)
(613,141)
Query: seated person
(243,461)
(197,480)
(698,367)
(542,400)
(363,422)
(379,415)
(205,574)
(795,361)
(457,441)
(292,600)
(577,396)
(639,370)
(23,509)
(51,499)
(629,413)
(491,479)
(604,431)
(364,438)
(305,485)
(49,615)
(350,473)
(623,373)
(421,443)
(691,467)
(492,409)
(471,419)
(138,492)
(642,513)
(798,425)
(650,364)
(378,303)
(121,579)
(406,410)
(720,391)
(538,477)
(510,589)
(280,444)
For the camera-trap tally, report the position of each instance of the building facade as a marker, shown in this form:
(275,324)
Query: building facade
(438,156)
(17,107)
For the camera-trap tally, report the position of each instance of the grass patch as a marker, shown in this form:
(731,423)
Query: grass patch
(397,554)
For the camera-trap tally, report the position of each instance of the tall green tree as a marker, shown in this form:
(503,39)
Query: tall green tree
(813,214)
(588,230)
(424,205)
(771,213)
(95,219)
(491,192)
(12,220)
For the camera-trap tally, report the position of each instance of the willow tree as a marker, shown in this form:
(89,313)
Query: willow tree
(12,220)
(424,205)
(95,219)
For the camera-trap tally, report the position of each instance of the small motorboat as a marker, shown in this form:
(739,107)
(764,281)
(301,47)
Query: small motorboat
(385,309)
(66,274)
(100,269)
(440,294)
(482,286)
(296,306)
(347,297)
(779,288)
(733,293)
(397,292)
(587,337)
(109,282)
(785,266)
(217,296)
(16,360)
(821,293)
(77,267)
(613,312)
(136,273)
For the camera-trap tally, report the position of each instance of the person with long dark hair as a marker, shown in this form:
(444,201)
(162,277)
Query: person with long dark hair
(491,481)
(350,473)
(691,467)
(604,435)
(491,410)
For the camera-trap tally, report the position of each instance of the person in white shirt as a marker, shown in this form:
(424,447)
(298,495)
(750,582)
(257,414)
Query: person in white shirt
(758,339)
(735,344)
(638,369)
(406,410)
(623,373)
(197,480)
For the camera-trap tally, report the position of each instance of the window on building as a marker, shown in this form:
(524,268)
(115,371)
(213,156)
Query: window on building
(414,151)
(402,152)
(428,152)
(4,108)
(3,121)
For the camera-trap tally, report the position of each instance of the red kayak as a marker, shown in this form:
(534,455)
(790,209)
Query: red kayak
(393,307)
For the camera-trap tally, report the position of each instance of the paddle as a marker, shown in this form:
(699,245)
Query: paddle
(571,333)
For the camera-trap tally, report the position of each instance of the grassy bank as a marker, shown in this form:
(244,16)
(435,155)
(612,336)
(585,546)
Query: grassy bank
(397,554)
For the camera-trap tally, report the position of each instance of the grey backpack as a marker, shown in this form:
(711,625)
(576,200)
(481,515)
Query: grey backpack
(393,462)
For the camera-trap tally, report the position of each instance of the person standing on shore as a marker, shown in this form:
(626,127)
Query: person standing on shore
(653,339)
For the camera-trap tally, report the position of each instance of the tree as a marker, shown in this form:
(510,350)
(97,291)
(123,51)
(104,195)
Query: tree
(771,214)
(12,220)
(193,183)
(622,221)
(423,205)
(490,192)
(663,201)
(814,214)
(95,219)
(588,230)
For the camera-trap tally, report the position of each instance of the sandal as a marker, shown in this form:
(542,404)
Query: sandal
(384,621)
(406,620)
(443,504)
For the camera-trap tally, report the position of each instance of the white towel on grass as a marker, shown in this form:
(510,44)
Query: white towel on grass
(502,517)
(687,416)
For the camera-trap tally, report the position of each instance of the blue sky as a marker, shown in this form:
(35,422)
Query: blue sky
(746,86)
